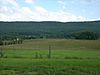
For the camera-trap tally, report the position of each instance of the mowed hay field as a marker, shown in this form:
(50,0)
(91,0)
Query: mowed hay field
(57,44)
(68,57)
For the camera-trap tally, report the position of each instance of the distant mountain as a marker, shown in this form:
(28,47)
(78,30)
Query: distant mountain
(47,29)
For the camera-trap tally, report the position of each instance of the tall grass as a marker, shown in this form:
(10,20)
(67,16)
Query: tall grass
(49,67)
(68,57)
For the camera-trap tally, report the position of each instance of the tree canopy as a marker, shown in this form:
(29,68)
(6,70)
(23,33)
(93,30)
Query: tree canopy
(86,35)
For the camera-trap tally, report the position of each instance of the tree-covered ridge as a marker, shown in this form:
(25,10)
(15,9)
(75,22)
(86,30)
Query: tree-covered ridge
(46,29)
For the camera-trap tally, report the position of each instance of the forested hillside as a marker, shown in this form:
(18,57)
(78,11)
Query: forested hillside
(46,29)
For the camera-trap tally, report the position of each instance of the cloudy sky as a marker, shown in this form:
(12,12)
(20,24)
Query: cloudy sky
(49,10)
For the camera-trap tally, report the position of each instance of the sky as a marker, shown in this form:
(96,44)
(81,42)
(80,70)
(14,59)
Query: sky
(49,10)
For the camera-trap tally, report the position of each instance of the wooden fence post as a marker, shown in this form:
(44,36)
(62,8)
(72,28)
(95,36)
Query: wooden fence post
(49,52)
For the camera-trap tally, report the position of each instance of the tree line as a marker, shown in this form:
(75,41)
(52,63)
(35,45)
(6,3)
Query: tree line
(82,35)
(37,30)
(10,42)
(86,35)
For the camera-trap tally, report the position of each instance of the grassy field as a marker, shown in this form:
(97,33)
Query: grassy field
(68,57)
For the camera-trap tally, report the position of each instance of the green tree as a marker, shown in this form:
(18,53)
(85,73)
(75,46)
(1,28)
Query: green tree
(87,35)
(1,50)
(1,42)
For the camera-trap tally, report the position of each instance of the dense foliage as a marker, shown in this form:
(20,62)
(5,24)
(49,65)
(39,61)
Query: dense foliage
(86,35)
(33,30)
(1,42)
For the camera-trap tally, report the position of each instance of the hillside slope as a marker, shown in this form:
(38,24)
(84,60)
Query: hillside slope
(47,29)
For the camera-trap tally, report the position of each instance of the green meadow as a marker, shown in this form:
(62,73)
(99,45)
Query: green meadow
(68,57)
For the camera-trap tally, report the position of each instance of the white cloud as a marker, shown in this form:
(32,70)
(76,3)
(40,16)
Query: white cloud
(40,9)
(40,14)
(12,2)
(61,2)
(4,17)
(90,1)
(29,1)
(97,0)
(17,13)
